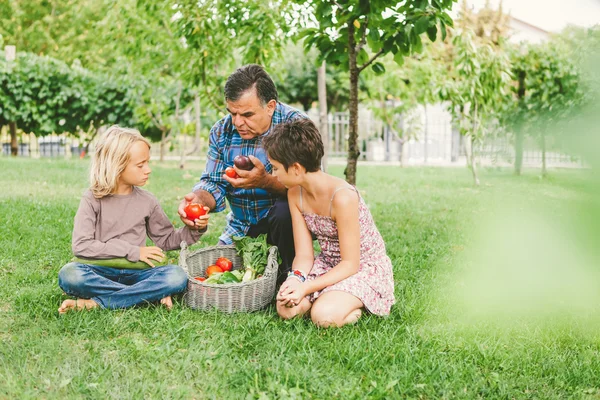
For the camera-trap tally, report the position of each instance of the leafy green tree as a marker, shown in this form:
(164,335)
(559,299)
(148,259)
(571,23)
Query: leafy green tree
(64,29)
(160,109)
(220,35)
(346,30)
(43,95)
(477,87)
(547,91)
(296,79)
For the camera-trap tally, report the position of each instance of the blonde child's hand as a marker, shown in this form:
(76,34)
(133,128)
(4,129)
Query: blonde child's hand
(202,221)
(187,199)
(147,254)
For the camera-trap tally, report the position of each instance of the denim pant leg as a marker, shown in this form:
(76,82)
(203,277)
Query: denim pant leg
(145,285)
(87,281)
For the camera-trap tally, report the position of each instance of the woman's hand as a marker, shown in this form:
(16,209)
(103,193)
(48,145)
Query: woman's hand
(151,253)
(292,292)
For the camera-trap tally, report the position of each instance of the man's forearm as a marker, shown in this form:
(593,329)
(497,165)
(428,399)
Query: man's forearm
(275,187)
(206,198)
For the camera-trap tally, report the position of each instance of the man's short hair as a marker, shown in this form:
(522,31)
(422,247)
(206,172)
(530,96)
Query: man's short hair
(298,141)
(248,77)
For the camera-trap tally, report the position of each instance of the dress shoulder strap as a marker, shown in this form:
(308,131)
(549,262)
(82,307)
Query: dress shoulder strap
(337,190)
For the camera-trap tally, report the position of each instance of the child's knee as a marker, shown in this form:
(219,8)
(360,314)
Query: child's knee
(70,277)
(176,279)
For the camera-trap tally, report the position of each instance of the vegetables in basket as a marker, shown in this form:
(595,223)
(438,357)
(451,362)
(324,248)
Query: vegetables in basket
(254,253)
(225,277)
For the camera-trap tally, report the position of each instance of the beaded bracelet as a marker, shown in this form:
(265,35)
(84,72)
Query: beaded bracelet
(301,276)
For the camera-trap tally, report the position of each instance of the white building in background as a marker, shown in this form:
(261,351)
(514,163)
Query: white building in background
(531,21)
(521,31)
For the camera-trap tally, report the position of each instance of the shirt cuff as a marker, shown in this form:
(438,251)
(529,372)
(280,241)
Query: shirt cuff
(196,233)
(133,254)
(215,191)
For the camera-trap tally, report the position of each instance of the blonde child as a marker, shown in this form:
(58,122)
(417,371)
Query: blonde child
(352,271)
(112,222)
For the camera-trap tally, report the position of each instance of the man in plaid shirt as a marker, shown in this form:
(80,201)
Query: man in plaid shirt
(257,200)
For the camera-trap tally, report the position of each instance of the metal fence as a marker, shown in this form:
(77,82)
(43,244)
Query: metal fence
(432,139)
(47,146)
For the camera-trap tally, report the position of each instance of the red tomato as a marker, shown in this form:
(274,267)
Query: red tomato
(224,263)
(213,269)
(194,210)
(200,278)
(230,172)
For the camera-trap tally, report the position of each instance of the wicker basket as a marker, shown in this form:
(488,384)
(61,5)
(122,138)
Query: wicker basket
(230,297)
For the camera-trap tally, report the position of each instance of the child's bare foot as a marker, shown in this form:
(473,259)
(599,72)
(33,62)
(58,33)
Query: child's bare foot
(77,304)
(167,302)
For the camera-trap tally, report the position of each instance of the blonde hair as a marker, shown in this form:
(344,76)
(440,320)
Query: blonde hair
(111,156)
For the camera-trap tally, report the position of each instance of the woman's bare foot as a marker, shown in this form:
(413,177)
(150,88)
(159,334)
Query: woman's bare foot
(77,304)
(167,302)
(353,317)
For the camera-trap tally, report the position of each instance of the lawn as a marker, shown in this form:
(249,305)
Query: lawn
(456,330)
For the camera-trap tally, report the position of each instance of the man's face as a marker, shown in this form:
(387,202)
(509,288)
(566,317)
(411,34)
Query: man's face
(250,117)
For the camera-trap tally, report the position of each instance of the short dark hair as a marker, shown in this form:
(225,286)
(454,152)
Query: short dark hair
(247,77)
(295,141)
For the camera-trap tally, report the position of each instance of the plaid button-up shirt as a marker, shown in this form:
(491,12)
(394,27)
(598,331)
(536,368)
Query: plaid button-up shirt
(248,206)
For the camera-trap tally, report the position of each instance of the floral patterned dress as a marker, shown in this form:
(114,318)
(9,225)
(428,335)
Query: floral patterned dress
(373,284)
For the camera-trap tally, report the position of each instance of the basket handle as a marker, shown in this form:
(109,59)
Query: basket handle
(272,264)
(183,257)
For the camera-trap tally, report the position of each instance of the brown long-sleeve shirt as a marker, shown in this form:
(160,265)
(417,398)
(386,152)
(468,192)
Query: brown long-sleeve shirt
(117,225)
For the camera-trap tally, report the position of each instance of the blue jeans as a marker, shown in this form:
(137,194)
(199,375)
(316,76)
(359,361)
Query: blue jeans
(121,288)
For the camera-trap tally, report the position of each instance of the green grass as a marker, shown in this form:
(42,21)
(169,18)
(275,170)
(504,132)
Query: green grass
(427,348)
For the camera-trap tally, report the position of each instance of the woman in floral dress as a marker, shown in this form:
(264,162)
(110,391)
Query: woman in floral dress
(352,272)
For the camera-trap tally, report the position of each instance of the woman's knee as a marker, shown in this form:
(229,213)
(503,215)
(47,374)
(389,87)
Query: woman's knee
(285,312)
(326,314)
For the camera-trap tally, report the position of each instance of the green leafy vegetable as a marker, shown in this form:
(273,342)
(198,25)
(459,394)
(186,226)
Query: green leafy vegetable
(254,253)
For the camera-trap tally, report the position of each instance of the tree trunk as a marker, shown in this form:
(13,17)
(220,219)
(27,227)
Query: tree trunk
(544,171)
(353,150)
(520,135)
(519,138)
(471,157)
(14,146)
(86,148)
(185,152)
(163,143)
(426,134)
(182,157)
(198,114)
(324,128)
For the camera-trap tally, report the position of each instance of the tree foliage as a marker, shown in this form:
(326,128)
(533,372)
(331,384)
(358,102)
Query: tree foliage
(547,90)
(220,35)
(477,88)
(296,79)
(353,34)
(44,95)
